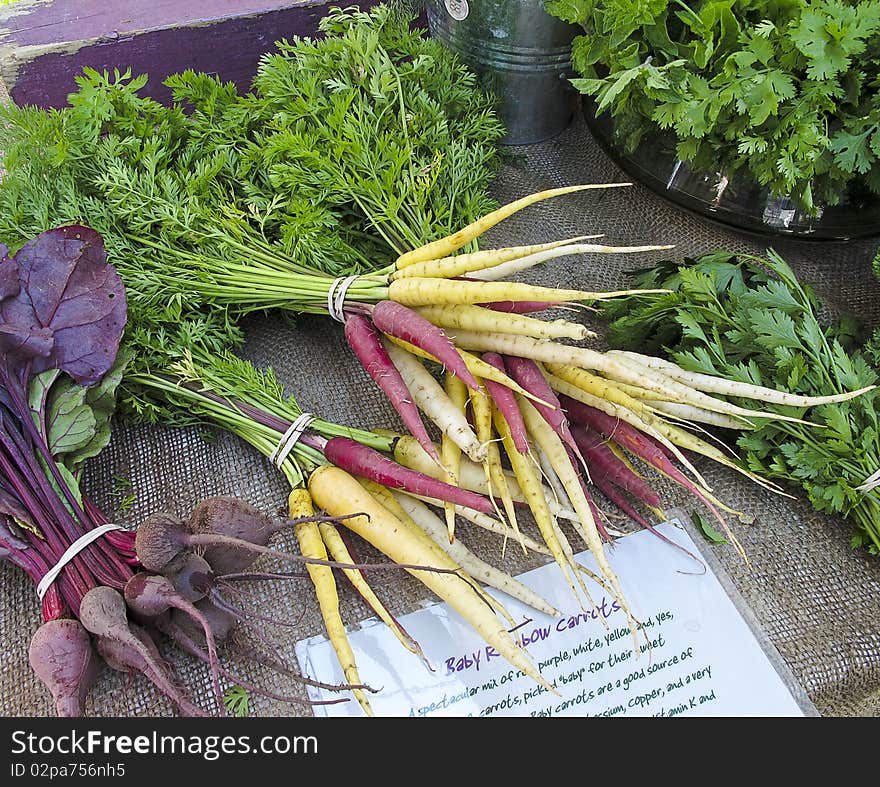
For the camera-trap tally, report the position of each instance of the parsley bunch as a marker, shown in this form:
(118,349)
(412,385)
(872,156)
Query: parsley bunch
(749,318)
(784,91)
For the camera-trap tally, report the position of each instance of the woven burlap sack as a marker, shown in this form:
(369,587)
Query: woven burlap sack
(812,596)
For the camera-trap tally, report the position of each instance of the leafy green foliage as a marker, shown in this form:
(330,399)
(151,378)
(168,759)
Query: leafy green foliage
(237,701)
(786,91)
(347,150)
(709,532)
(750,319)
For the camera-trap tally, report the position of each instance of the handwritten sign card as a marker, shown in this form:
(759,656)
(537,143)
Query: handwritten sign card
(696,654)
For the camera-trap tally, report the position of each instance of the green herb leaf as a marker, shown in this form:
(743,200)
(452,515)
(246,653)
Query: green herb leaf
(236,701)
(709,532)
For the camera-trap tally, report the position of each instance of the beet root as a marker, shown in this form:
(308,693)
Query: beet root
(126,646)
(232,517)
(63,657)
(152,595)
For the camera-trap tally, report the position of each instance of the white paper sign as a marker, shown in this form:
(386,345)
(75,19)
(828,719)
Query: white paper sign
(702,658)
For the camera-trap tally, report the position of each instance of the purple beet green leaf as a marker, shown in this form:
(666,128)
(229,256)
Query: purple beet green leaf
(67,310)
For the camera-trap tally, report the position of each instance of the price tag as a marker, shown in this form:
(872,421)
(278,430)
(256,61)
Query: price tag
(457,9)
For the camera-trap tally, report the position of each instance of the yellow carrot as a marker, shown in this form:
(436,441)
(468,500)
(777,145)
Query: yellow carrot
(339,552)
(311,545)
(625,414)
(477,318)
(339,494)
(450,453)
(481,406)
(690,442)
(435,291)
(423,517)
(599,388)
(460,264)
(547,438)
(443,247)
(387,499)
(533,490)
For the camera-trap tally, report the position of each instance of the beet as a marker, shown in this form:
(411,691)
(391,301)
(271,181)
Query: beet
(152,595)
(190,575)
(230,516)
(220,621)
(162,540)
(126,646)
(194,648)
(62,656)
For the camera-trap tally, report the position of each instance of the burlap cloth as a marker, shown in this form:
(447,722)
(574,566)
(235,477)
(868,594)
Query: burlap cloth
(812,595)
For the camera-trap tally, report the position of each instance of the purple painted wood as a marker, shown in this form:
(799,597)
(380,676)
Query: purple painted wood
(156,37)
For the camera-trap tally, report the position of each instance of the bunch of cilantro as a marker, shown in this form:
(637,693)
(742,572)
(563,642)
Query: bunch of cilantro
(748,318)
(786,92)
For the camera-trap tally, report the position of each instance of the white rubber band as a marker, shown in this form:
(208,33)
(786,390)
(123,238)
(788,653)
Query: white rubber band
(290,437)
(336,297)
(871,482)
(70,553)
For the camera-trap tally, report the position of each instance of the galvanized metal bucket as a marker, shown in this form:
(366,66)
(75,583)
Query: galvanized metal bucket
(522,54)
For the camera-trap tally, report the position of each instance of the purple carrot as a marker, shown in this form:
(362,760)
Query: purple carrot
(596,448)
(364,340)
(519,307)
(398,320)
(642,446)
(505,401)
(529,375)
(361,460)
(597,514)
(616,495)
(627,436)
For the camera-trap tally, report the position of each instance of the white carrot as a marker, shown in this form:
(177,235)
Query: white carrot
(461,264)
(691,413)
(477,366)
(491,525)
(723,386)
(432,400)
(510,268)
